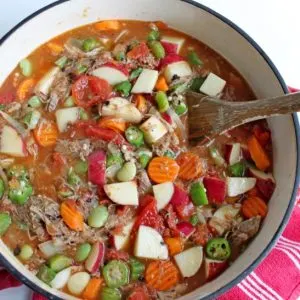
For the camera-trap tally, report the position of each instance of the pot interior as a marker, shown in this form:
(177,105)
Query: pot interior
(224,39)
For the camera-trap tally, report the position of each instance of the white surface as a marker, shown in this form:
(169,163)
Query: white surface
(269,22)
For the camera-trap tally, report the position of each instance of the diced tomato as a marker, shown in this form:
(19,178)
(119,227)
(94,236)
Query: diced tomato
(120,67)
(90,90)
(58,159)
(122,210)
(266,188)
(169,59)
(97,167)
(139,51)
(169,47)
(185,229)
(7,98)
(138,294)
(201,235)
(170,217)
(167,117)
(215,189)
(180,197)
(185,211)
(116,254)
(263,135)
(145,200)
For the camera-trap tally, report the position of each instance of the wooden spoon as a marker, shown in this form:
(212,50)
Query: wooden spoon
(210,116)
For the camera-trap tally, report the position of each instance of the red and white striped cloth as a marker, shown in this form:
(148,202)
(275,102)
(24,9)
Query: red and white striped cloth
(276,278)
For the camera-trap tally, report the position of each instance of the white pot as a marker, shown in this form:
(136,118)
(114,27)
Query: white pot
(224,37)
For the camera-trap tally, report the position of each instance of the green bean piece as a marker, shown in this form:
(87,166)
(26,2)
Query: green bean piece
(153,35)
(83,115)
(81,167)
(89,44)
(144,157)
(116,273)
(18,171)
(157,49)
(135,73)
(46,274)
(238,169)
(194,59)
(81,69)
(20,191)
(198,194)
(197,83)
(61,62)
(26,252)
(98,216)
(170,153)
(218,248)
(162,101)
(70,102)
(120,56)
(127,172)
(26,67)
(73,179)
(216,156)
(2,106)
(59,262)
(137,269)
(113,159)
(83,252)
(123,88)
(180,109)
(34,102)
(5,221)
(194,220)
(31,119)
(2,188)
(110,294)
(134,136)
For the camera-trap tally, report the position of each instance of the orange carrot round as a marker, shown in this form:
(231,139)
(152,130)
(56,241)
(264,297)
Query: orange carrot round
(163,169)
(140,103)
(190,165)
(175,245)
(254,206)
(91,292)
(108,25)
(46,133)
(162,275)
(25,88)
(258,154)
(117,125)
(71,215)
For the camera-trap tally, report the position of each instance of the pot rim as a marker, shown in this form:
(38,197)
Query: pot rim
(13,270)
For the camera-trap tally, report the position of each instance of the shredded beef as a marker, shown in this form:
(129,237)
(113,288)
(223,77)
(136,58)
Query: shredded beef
(73,50)
(169,141)
(103,58)
(144,183)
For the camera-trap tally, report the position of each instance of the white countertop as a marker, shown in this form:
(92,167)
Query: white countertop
(271,23)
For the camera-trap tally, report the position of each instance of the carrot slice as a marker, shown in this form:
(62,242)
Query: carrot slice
(175,245)
(162,275)
(108,25)
(161,84)
(25,88)
(254,206)
(71,216)
(140,103)
(46,133)
(190,164)
(163,169)
(91,292)
(161,25)
(55,48)
(117,125)
(258,154)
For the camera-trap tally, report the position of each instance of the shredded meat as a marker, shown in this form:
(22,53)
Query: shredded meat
(149,291)
(76,148)
(86,202)
(103,58)
(201,235)
(168,141)
(144,183)
(116,254)
(73,50)
(115,220)
(174,293)
(149,62)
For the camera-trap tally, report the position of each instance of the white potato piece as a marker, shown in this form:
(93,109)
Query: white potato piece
(175,41)
(180,68)
(112,75)
(78,282)
(66,116)
(153,130)
(11,143)
(239,185)
(213,85)
(61,278)
(163,193)
(45,83)
(146,82)
(121,240)
(150,244)
(123,193)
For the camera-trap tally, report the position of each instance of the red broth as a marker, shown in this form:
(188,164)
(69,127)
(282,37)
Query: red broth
(56,189)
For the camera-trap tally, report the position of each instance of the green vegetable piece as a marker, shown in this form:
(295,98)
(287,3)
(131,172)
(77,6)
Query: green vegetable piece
(180,109)
(180,88)
(113,159)
(83,252)
(144,160)
(81,167)
(198,194)
(194,220)
(65,192)
(70,102)
(26,67)
(120,56)
(46,274)
(26,252)
(59,262)
(18,171)
(73,179)
(98,216)
(170,153)
(153,35)
(134,136)
(5,221)
(216,156)
(21,193)
(89,44)
(123,88)
(2,188)
(135,73)
(34,102)
(31,119)
(137,269)
(218,248)
(238,169)
(83,115)
(21,225)
(81,69)
(162,101)
(116,273)
(194,59)
(2,106)
(61,62)
(157,49)
(196,84)
(127,172)
(110,294)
